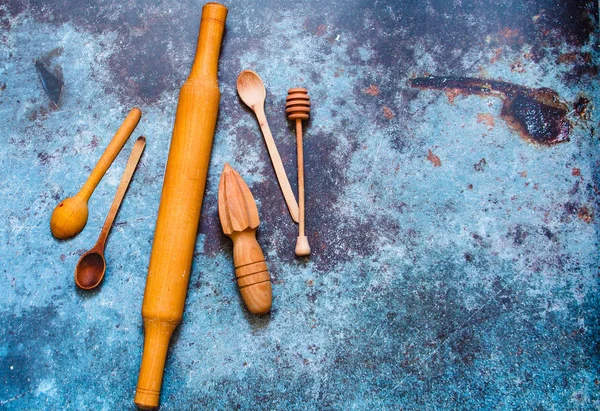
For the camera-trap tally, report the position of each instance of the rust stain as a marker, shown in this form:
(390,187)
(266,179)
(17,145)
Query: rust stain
(538,115)
(435,160)
(321,30)
(566,58)
(487,119)
(509,33)
(581,106)
(372,90)
(451,94)
(523,173)
(517,67)
(497,55)
(585,215)
(388,113)
(576,172)
(574,57)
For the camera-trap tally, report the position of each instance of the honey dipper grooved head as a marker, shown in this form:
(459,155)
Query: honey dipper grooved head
(297,105)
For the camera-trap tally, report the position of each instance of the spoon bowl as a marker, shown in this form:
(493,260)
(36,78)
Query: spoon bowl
(251,88)
(69,217)
(90,270)
(91,267)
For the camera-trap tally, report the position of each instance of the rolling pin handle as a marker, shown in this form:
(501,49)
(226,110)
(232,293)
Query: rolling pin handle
(157,335)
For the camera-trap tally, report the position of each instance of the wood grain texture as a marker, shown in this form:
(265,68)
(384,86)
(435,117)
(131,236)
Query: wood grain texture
(180,205)
(298,109)
(252,91)
(114,148)
(239,218)
(70,215)
(91,267)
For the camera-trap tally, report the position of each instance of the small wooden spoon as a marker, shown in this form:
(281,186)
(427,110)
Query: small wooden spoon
(92,265)
(251,90)
(70,216)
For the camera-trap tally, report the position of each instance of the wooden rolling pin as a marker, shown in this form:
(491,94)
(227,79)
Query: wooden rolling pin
(180,205)
(239,218)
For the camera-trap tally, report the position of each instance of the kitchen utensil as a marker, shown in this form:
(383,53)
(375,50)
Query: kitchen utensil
(251,90)
(180,205)
(297,109)
(239,218)
(70,216)
(92,265)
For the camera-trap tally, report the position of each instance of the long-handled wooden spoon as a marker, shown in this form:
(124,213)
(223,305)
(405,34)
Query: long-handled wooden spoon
(92,265)
(297,109)
(70,216)
(252,91)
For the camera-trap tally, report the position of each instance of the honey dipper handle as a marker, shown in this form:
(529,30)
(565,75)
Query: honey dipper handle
(302,246)
(252,273)
(109,155)
(300,152)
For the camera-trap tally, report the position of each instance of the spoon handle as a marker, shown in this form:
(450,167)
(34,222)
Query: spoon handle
(111,151)
(134,158)
(284,184)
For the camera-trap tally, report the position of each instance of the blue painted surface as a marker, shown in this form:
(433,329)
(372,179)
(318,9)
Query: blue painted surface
(472,284)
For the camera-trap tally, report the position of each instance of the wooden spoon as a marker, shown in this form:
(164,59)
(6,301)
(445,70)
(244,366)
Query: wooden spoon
(70,216)
(92,265)
(251,90)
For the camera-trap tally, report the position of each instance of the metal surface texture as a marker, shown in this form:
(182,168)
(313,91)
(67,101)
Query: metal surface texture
(454,264)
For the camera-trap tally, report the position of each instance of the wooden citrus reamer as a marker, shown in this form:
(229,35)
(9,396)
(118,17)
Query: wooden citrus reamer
(298,108)
(239,218)
(180,205)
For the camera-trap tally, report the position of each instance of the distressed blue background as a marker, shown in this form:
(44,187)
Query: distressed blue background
(471,284)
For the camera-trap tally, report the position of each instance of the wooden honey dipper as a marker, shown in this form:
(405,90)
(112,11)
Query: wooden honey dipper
(298,108)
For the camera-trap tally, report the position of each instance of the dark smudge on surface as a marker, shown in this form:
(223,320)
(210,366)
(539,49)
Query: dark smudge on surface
(538,115)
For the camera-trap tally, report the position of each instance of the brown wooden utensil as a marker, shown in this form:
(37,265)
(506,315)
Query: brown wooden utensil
(298,108)
(251,90)
(92,265)
(70,215)
(239,218)
(180,205)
